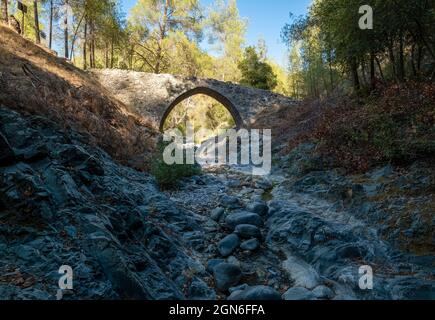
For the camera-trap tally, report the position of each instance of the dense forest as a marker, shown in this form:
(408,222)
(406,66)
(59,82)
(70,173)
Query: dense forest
(327,50)
(330,50)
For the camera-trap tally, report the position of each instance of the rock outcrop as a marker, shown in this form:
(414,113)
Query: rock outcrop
(63,202)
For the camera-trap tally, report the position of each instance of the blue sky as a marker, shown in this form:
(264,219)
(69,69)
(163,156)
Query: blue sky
(266,19)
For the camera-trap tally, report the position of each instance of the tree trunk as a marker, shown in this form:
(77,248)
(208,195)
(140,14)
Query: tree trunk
(354,68)
(36,14)
(372,71)
(90,50)
(112,53)
(5,15)
(106,55)
(73,41)
(159,53)
(380,69)
(392,58)
(401,60)
(50,36)
(414,69)
(363,72)
(85,44)
(419,57)
(331,75)
(93,44)
(130,58)
(65,33)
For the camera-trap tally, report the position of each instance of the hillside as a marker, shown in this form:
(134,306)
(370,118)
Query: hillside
(34,81)
(374,155)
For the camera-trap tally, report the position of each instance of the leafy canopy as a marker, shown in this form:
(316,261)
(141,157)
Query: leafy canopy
(256,73)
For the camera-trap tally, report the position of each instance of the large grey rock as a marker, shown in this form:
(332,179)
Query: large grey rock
(243,217)
(302,273)
(211,264)
(250,245)
(412,288)
(228,244)
(323,292)
(248,231)
(230,202)
(125,282)
(76,206)
(199,290)
(217,214)
(238,288)
(257,293)
(298,293)
(257,207)
(227,275)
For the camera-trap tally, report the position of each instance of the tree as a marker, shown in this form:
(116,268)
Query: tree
(50,32)
(256,73)
(228,30)
(36,16)
(65,30)
(333,43)
(187,58)
(262,49)
(5,15)
(153,21)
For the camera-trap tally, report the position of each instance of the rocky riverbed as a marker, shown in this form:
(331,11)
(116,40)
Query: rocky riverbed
(268,237)
(292,235)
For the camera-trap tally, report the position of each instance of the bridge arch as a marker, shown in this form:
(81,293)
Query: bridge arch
(208,92)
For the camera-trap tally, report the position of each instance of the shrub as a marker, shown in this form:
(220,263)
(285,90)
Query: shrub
(396,126)
(256,73)
(169,176)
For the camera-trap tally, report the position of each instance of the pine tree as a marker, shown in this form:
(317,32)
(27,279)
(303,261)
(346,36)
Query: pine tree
(4,15)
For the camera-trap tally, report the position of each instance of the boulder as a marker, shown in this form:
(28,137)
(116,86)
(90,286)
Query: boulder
(298,293)
(243,217)
(259,208)
(227,275)
(217,214)
(250,245)
(257,293)
(230,202)
(228,244)
(238,288)
(323,292)
(302,273)
(248,231)
(211,264)
(199,290)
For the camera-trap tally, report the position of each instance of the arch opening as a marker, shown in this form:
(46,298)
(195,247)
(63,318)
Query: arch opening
(203,91)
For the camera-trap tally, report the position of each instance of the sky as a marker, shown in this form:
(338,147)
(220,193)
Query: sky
(265,20)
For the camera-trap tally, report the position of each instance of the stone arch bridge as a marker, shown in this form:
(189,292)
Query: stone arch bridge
(155,95)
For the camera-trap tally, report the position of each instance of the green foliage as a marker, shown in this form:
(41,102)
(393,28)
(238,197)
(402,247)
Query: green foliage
(255,73)
(154,22)
(169,176)
(228,30)
(330,44)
